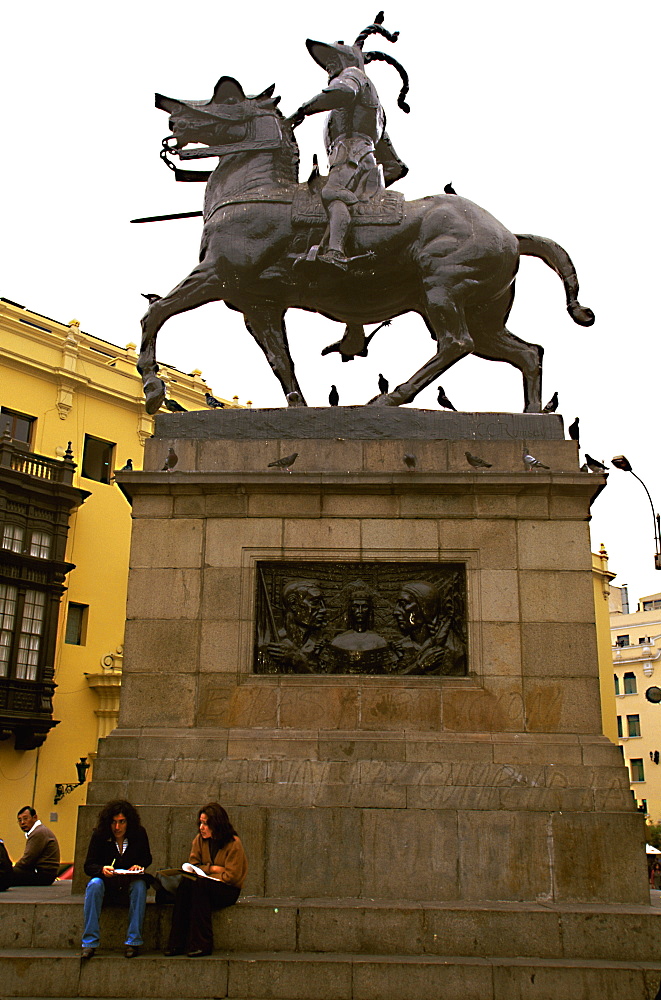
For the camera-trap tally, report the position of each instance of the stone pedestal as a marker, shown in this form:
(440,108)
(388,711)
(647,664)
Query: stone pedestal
(495,786)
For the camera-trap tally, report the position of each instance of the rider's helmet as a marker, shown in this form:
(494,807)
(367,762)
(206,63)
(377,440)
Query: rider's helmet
(328,55)
(336,57)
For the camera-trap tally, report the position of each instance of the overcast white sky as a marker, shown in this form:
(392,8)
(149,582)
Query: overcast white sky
(544,114)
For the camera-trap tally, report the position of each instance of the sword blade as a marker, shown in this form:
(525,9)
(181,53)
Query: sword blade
(166,218)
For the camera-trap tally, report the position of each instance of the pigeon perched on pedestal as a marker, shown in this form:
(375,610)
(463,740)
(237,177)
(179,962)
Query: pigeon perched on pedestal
(284,463)
(444,401)
(531,462)
(476,462)
(212,401)
(593,465)
(384,385)
(173,406)
(170,461)
(333,396)
(573,430)
(552,404)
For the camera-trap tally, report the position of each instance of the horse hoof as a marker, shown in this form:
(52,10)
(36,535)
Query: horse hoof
(384,400)
(154,389)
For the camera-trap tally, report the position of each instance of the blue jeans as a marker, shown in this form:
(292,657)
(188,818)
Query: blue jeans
(92,911)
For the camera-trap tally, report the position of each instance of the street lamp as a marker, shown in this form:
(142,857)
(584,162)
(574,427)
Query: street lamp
(623,463)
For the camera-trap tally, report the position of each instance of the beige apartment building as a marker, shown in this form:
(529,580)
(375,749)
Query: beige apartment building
(636,648)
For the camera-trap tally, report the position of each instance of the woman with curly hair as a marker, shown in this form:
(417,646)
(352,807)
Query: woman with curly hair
(118,842)
(218,852)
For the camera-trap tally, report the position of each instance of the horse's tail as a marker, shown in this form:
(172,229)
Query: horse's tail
(557,258)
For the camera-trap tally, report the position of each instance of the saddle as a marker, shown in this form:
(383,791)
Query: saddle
(385,208)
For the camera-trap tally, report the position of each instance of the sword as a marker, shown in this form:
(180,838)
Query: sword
(166,218)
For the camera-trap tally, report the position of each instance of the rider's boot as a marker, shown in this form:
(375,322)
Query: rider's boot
(339,218)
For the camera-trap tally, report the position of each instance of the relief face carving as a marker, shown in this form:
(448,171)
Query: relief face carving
(361,618)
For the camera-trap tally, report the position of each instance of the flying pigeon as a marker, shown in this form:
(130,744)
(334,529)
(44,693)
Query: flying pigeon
(284,463)
(444,401)
(593,465)
(449,189)
(170,461)
(552,404)
(173,406)
(128,467)
(151,297)
(333,396)
(212,401)
(409,461)
(383,384)
(531,462)
(573,430)
(476,462)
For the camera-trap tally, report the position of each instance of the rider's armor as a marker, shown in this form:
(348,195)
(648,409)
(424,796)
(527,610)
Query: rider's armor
(360,155)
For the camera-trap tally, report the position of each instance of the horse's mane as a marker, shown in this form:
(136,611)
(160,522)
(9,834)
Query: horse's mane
(288,156)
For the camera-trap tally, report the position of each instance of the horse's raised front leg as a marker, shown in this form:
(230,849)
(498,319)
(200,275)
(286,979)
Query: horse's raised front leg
(504,346)
(266,323)
(201,286)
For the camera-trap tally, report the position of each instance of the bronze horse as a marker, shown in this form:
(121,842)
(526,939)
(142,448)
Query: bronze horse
(447,259)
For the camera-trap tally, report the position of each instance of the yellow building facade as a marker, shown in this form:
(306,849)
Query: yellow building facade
(636,667)
(601,581)
(59,385)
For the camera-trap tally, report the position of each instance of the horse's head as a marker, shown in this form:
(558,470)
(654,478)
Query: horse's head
(230,117)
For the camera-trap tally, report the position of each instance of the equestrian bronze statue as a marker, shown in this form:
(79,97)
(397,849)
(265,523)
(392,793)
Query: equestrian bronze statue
(345,245)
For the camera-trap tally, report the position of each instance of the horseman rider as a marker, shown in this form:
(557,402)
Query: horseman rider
(360,154)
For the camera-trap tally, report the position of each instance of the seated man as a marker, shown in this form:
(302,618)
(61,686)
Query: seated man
(41,858)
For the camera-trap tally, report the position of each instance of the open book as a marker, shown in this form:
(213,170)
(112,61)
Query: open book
(194,870)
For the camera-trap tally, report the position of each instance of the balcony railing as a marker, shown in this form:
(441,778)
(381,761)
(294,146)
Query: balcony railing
(29,464)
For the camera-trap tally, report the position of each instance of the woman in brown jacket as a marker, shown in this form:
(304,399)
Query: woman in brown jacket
(219,853)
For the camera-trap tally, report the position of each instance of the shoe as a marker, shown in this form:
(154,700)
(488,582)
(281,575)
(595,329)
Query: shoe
(198,953)
(87,952)
(335,257)
(171,952)
(132,950)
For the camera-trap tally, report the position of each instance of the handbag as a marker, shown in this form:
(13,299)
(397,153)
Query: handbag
(166,883)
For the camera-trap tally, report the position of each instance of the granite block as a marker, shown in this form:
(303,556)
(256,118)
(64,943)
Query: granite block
(561,649)
(328,708)
(600,857)
(298,978)
(568,704)
(398,845)
(313,852)
(162,646)
(337,534)
(163,593)
(498,707)
(556,596)
(149,701)
(420,979)
(377,930)
(510,854)
(400,708)
(545,545)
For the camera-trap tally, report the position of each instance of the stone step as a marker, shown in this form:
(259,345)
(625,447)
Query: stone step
(286,976)
(52,918)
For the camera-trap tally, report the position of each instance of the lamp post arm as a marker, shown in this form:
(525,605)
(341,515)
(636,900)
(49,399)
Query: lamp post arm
(654,515)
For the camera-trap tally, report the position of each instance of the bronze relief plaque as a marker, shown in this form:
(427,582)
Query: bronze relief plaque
(361,618)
